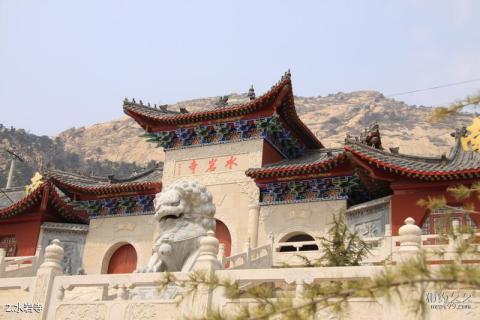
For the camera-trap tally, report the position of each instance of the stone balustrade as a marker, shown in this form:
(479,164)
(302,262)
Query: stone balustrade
(19,266)
(251,258)
(137,295)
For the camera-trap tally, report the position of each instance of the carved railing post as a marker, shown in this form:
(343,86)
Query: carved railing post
(122,291)
(221,253)
(199,303)
(387,243)
(410,239)
(48,270)
(253,219)
(207,258)
(38,259)
(299,281)
(3,254)
(248,254)
(271,240)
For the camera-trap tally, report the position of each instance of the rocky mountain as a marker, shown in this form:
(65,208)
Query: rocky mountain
(38,152)
(116,146)
(330,118)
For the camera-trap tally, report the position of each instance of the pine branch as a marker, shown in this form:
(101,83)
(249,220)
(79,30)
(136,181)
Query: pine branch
(442,113)
(351,293)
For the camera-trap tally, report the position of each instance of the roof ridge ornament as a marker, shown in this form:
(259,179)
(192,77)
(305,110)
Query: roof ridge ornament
(251,93)
(394,150)
(370,137)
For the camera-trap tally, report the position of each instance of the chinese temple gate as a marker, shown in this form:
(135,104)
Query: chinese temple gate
(269,175)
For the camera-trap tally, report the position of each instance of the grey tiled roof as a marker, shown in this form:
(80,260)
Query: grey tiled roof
(153,175)
(310,157)
(150,110)
(458,161)
(312,161)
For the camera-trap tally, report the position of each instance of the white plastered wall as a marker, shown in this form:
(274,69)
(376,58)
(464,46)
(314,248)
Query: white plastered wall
(231,189)
(105,235)
(287,219)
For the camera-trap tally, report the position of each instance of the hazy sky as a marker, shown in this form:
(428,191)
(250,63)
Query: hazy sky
(71,63)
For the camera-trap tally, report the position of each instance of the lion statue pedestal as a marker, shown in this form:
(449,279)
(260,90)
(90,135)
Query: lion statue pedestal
(185,213)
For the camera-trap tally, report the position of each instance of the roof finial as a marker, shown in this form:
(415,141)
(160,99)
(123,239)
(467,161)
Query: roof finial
(141,102)
(125,100)
(133,100)
(251,93)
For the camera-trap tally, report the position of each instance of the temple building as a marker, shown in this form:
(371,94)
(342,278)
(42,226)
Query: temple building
(271,179)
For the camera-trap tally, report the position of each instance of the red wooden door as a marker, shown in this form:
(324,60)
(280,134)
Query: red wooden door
(123,260)
(223,236)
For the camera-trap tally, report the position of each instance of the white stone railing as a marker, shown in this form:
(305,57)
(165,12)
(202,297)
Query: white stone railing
(384,248)
(21,266)
(137,296)
(251,258)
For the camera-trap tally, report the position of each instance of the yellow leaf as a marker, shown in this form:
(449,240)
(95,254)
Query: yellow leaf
(472,140)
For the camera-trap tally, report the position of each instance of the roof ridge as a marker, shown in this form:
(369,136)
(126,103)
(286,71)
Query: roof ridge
(285,79)
(48,174)
(113,179)
(397,155)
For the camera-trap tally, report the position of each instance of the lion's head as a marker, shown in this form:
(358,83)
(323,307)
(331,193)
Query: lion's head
(187,200)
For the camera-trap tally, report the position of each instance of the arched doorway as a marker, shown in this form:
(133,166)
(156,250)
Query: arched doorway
(123,260)
(223,236)
(299,237)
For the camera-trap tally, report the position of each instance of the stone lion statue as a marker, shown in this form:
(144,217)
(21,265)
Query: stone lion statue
(185,213)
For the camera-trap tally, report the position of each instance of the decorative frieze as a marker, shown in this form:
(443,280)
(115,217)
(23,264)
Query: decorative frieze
(135,205)
(64,227)
(331,188)
(269,128)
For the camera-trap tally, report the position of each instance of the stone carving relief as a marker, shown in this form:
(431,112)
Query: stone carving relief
(369,221)
(125,226)
(69,249)
(184,211)
(141,311)
(369,229)
(150,293)
(250,189)
(147,311)
(299,214)
(10,316)
(81,311)
(82,294)
(72,238)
